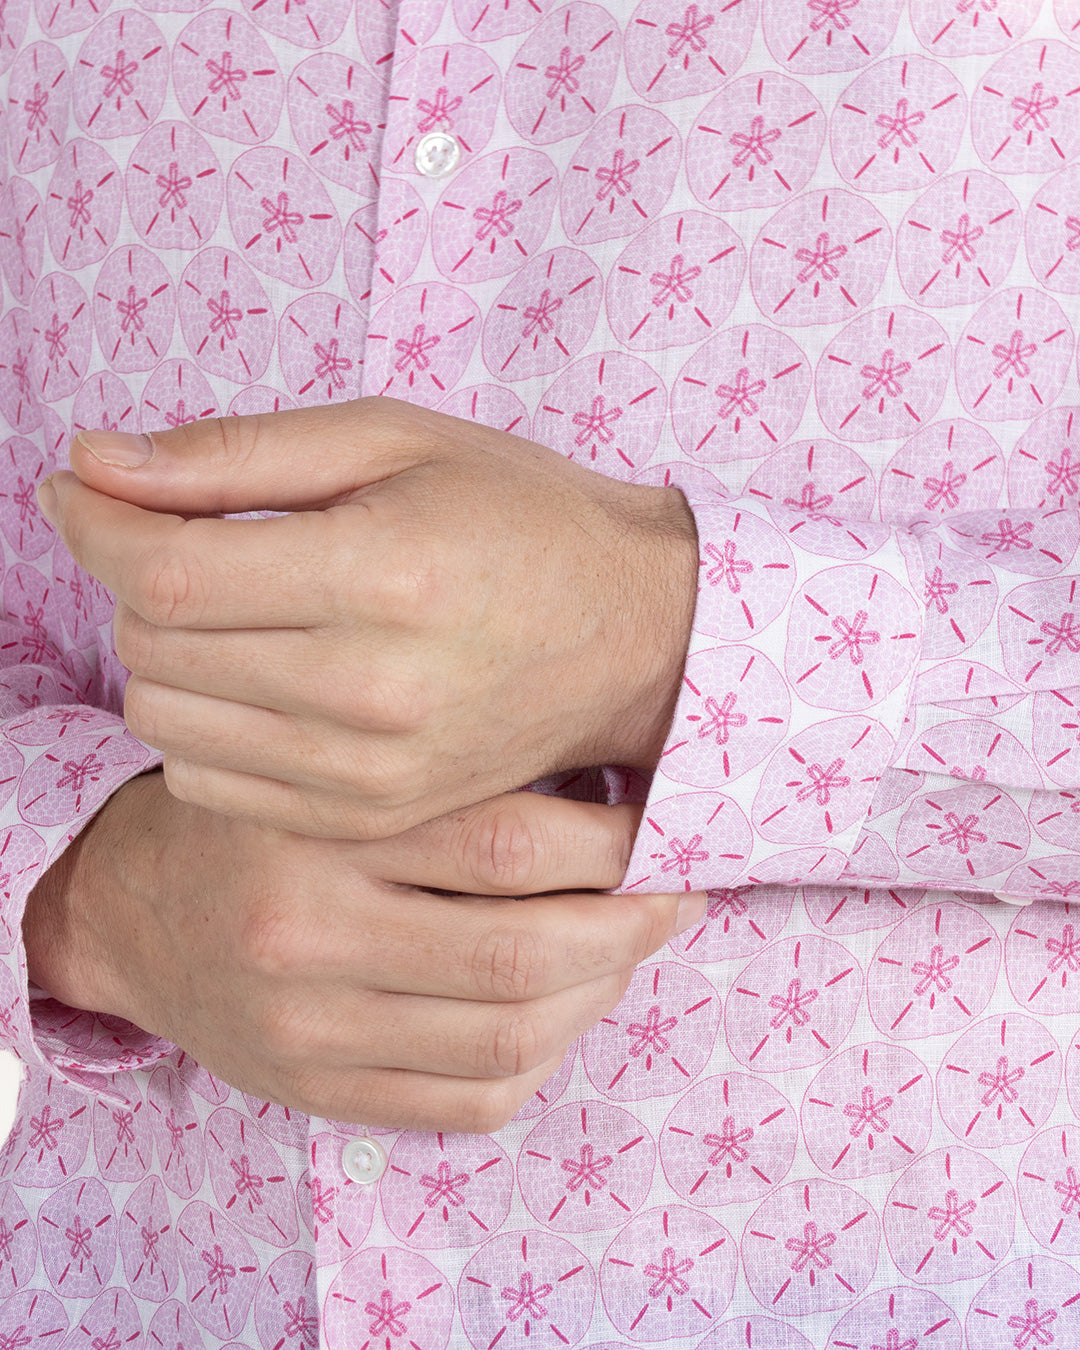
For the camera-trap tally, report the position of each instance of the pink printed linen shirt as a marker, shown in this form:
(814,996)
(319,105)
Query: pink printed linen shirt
(815,262)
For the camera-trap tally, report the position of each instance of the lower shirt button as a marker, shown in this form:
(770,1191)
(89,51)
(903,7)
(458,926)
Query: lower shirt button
(363,1160)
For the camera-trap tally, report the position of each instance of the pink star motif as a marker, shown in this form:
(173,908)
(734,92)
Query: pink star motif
(25,499)
(668,1275)
(224,76)
(109,1342)
(1008,537)
(935,971)
(756,143)
(885,377)
(586,1170)
(936,591)
(810,1249)
(7,1236)
(868,1113)
(388,1315)
(977,774)
(689,32)
(652,1033)
(79,1237)
(16,1340)
(729,1143)
(20,369)
(173,186)
(900,126)
(247,1182)
(526,1298)
(224,316)
(726,899)
(821,258)
(617,178)
(131,310)
(683,856)
(438,111)
(1032,1326)
(1033,109)
(149,1243)
(893,1342)
(961,240)
(540,314)
(1070,1189)
(953,1218)
(117,77)
(322,1200)
(218,1271)
(1063,634)
(1072,224)
(596,423)
(1064,889)
(823,783)
(1064,475)
(179,416)
(1066,951)
(813,505)
(176,1134)
(674,285)
(1000,1083)
(943,489)
(125,1126)
(962,833)
(332,363)
(722,718)
(54,339)
(496,217)
(75,775)
(34,107)
(444,1187)
(793,1004)
(414,350)
(1014,357)
(740,395)
(852,638)
(728,568)
(301,1323)
(563,75)
(346,126)
(79,205)
(279,217)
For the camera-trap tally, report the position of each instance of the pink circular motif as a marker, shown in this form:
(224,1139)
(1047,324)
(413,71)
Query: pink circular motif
(754,1333)
(811,1247)
(123,1137)
(493,216)
(282,217)
(733,930)
(178,1132)
(549,1092)
(1049,1190)
(82,208)
(650,308)
(296,23)
(950,29)
(868,1111)
(562,75)
(1056,720)
(285,1124)
(523,1289)
(175,394)
(1039,635)
(105,401)
(621,174)
(211,1245)
(668,56)
(23,1249)
(259,398)
(450,89)
(544,316)
(60,317)
(335,1211)
(852,637)
(819,36)
(57,1137)
(280,1303)
(606,411)
(697,484)
(1039,543)
(1053,816)
(17,401)
(898,125)
(120,76)
(820,259)
(420,342)
(1067,13)
(894,392)
(38,1312)
(249,1178)
(998,1083)
(779,130)
(16,18)
(1044,468)
(845,910)
(483,22)
(321,349)
(677,827)
(112,1313)
(49,788)
(148,1242)
(670,1273)
(1026,1301)
(1023,117)
(897,1318)
(658,1038)
(24,527)
(974,748)
(959,833)
(949,982)
(1014,356)
(793,1005)
(21,849)
(969,478)
(77,1231)
(325,93)
(729,1140)
(764,382)
(446,1190)
(227,79)
(175,187)
(400,239)
(490,405)
(39,91)
(1053,233)
(134,309)
(585,1167)
(22,241)
(949,1217)
(60,18)
(1057,877)
(226,316)
(822,781)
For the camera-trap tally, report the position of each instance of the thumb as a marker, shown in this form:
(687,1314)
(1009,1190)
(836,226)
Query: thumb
(296,459)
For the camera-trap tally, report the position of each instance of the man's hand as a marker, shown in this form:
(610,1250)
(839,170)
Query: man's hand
(450,611)
(310,972)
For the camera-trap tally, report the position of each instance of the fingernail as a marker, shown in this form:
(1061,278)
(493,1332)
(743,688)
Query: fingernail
(46,499)
(119,448)
(692,909)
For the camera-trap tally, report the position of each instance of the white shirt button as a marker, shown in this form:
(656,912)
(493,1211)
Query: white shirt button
(437,154)
(1020,901)
(363,1160)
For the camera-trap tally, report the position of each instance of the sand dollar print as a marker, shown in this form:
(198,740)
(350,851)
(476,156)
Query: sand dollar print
(446,1190)
(221,1270)
(338,1215)
(248,1176)
(175,187)
(681,834)
(77,1232)
(21,1258)
(1057,877)
(944,468)
(22,238)
(123,1138)
(754,1333)
(173,1321)
(1024,114)
(1027,1301)
(844,910)
(278,1301)
(226,316)
(1056,718)
(120,76)
(1040,633)
(1067,13)
(307,28)
(112,1313)
(17,399)
(731,929)
(494,215)
(951,28)
(259,398)
(1038,542)
(562,76)
(399,238)
(549,1092)
(976,749)
(949,1217)
(1048,1188)
(900,1317)
(13,32)
(68,16)
(39,95)
(420,341)
(1014,356)
(104,400)
(227,79)
(177,1132)
(82,205)
(134,309)
(60,317)
(586,1167)
(677,51)
(523,1289)
(793,1004)
(491,405)
(284,1124)
(659,1036)
(24,527)
(1044,468)
(56,1137)
(175,394)
(1053,233)
(327,96)
(749,571)
(606,411)
(669,1273)
(148,1242)
(36,1311)
(820,259)
(690,292)
(1053,815)
(282,217)
(544,317)
(817,36)
(959,833)
(320,346)
(483,22)
(449,89)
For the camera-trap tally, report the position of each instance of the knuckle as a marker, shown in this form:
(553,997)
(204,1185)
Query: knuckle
(272,943)
(502,851)
(172,594)
(491,1107)
(141,713)
(516,1045)
(510,965)
(133,640)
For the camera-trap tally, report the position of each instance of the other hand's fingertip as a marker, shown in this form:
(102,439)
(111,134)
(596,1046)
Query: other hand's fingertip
(47,499)
(692,907)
